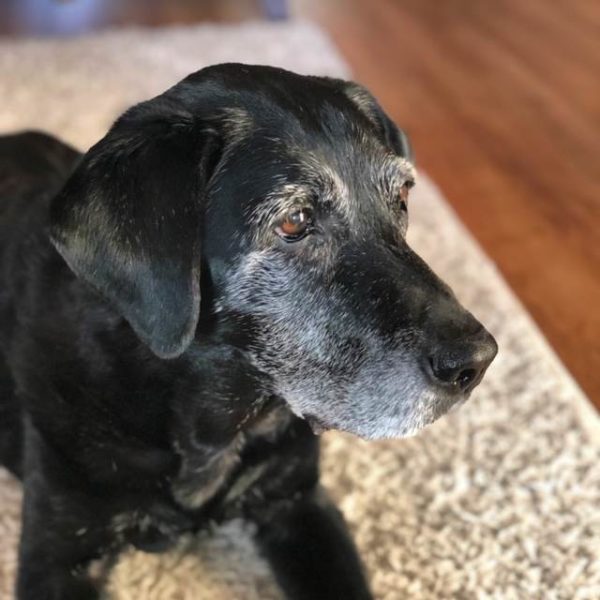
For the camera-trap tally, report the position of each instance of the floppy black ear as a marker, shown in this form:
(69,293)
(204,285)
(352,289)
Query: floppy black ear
(128,220)
(395,137)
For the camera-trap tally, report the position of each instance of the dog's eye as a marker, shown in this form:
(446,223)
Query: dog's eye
(403,194)
(295,224)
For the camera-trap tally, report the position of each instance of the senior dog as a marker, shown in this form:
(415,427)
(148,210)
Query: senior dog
(182,308)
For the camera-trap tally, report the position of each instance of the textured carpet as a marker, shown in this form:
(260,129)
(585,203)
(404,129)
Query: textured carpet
(498,500)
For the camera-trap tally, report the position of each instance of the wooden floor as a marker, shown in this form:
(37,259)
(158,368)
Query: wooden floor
(502,101)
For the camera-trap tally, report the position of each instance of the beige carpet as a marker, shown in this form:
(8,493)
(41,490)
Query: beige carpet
(499,500)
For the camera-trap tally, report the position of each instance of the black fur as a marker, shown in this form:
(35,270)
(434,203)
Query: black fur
(152,377)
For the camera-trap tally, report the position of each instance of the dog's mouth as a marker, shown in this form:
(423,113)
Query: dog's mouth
(317,425)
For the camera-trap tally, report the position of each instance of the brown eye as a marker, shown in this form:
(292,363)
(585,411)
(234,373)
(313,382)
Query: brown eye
(295,224)
(403,195)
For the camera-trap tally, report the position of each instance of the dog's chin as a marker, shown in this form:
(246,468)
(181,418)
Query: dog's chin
(384,427)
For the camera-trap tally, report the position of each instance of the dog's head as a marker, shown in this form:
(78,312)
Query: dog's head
(286,196)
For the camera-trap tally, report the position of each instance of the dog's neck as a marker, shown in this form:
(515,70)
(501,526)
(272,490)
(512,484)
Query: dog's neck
(207,470)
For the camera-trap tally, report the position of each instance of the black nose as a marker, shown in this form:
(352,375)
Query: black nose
(462,363)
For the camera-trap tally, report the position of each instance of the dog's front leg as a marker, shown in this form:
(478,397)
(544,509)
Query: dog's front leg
(56,546)
(310,550)
(63,528)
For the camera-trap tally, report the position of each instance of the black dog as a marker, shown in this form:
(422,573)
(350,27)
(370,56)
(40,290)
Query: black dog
(184,306)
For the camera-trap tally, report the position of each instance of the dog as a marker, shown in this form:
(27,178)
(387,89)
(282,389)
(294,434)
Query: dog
(184,308)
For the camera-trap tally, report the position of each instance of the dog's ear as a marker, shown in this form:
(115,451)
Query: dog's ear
(394,137)
(128,221)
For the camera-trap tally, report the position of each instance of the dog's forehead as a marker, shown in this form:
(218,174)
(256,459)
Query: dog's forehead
(342,173)
(294,139)
(278,101)
(354,177)
(323,145)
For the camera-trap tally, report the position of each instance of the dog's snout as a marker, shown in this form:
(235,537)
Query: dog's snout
(462,363)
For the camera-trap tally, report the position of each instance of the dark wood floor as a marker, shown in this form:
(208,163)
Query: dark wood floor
(502,100)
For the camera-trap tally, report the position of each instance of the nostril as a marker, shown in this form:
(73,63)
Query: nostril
(466,378)
(460,368)
(461,364)
(448,370)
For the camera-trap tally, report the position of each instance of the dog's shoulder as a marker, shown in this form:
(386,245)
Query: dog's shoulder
(33,167)
(32,164)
